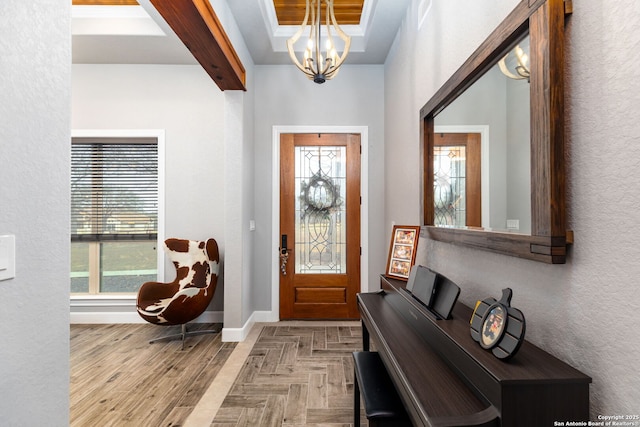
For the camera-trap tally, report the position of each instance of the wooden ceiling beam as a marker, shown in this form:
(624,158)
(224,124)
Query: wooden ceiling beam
(196,24)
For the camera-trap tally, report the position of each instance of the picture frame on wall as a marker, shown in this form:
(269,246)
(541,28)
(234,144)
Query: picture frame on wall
(402,251)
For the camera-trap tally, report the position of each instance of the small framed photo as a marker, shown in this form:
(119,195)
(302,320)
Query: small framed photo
(493,325)
(402,252)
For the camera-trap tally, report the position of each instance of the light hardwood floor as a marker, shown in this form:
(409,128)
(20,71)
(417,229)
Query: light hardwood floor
(295,376)
(119,379)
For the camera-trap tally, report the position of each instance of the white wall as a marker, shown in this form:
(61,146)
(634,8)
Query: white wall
(186,103)
(585,311)
(285,97)
(35,83)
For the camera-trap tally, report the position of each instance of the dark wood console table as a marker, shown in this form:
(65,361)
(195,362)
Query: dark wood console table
(445,378)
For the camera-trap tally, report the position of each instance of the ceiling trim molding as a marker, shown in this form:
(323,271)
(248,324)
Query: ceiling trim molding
(278,34)
(113,20)
(104,3)
(196,24)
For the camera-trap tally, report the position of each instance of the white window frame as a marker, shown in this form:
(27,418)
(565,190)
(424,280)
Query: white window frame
(87,305)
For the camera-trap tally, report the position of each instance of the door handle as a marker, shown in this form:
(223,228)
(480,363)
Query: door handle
(284,254)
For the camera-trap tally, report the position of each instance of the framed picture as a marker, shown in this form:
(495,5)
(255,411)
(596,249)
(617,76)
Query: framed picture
(493,324)
(402,252)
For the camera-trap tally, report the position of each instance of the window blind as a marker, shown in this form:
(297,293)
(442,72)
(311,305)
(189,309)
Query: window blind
(114,190)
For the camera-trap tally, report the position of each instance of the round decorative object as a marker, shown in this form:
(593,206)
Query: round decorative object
(493,325)
(320,194)
(498,327)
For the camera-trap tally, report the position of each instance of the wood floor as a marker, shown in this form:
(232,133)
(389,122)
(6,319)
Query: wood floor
(119,379)
(295,376)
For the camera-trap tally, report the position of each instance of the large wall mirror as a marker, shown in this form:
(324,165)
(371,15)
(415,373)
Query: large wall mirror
(493,141)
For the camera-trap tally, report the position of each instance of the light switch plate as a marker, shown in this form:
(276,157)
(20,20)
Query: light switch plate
(7,256)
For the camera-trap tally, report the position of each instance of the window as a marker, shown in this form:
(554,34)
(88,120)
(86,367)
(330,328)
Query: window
(114,214)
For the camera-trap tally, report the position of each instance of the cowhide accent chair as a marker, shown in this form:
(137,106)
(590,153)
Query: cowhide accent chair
(188,296)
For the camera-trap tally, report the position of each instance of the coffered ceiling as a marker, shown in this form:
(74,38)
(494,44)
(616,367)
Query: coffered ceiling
(121,32)
(291,12)
(104,2)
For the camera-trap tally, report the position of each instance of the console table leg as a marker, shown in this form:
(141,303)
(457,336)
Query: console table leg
(365,338)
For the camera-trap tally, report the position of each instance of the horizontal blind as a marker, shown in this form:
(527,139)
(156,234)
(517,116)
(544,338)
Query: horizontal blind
(114,190)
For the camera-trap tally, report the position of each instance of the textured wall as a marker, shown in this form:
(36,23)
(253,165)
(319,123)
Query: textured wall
(35,92)
(586,311)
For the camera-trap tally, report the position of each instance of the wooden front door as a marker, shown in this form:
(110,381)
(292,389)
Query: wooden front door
(319,226)
(457,179)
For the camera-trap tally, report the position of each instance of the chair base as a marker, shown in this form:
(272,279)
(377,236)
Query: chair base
(182,335)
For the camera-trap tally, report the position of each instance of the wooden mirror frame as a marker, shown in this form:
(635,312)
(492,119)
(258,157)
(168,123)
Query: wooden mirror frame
(544,21)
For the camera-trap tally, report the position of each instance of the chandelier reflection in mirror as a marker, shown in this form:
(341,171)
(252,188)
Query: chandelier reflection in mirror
(314,65)
(515,64)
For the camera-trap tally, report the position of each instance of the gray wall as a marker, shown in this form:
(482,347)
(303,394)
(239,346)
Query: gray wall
(502,104)
(35,87)
(485,103)
(585,311)
(519,154)
(284,97)
(183,101)
(238,202)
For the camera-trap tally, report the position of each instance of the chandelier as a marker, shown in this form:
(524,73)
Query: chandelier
(518,61)
(314,65)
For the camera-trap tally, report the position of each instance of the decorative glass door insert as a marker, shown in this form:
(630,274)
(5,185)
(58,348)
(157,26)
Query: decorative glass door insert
(449,185)
(320,220)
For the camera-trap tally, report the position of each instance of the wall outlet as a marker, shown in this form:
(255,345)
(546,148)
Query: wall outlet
(513,224)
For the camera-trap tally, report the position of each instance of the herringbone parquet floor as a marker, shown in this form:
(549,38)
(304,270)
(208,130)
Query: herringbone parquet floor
(295,376)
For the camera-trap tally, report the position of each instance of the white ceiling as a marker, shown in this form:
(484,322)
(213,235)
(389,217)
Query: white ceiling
(139,35)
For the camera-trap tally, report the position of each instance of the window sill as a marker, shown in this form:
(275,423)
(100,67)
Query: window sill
(126,300)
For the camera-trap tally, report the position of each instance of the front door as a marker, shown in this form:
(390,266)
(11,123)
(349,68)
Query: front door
(457,179)
(319,226)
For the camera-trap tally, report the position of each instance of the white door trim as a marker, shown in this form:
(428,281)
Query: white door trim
(275,204)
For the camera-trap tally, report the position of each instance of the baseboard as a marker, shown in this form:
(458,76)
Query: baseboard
(240,334)
(128,316)
(265,316)
(96,317)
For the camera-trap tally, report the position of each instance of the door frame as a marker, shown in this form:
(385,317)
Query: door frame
(483,130)
(363,131)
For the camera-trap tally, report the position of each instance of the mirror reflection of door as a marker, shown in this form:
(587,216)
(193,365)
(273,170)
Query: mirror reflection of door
(320,217)
(457,180)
